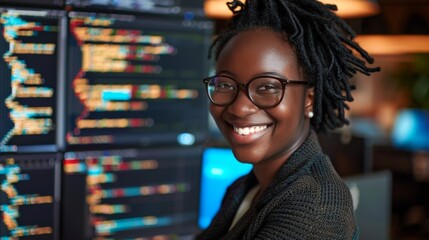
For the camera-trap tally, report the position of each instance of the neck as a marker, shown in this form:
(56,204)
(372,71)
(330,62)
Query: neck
(266,170)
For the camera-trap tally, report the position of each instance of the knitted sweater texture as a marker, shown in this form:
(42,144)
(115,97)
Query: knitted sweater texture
(306,200)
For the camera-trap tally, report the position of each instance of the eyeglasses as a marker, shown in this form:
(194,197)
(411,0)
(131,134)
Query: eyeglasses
(263,91)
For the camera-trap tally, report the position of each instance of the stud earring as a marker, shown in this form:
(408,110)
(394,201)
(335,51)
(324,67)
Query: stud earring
(310,114)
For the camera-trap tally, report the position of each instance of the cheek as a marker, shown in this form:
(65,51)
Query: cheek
(290,112)
(286,110)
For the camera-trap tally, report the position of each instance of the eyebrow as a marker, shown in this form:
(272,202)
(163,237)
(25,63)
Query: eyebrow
(225,72)
(230,74)
(275,74)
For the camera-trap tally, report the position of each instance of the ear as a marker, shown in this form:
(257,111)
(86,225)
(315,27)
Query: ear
(309,101)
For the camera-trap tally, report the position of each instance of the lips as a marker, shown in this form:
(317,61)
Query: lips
(244,131)
(244,134)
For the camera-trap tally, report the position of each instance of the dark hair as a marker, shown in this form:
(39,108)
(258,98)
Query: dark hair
(324,45)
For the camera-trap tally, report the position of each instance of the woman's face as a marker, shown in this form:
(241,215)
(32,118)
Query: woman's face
(257,135)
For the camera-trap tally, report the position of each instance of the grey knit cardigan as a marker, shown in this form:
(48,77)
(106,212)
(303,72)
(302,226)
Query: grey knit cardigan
(306,200)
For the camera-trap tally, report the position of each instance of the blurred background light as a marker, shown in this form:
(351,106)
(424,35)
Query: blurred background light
(411,130)
(346,8)
(394,44)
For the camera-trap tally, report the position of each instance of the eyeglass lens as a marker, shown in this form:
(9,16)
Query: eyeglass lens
(263,91)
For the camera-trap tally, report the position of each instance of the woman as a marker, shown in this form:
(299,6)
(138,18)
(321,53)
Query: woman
(282,72)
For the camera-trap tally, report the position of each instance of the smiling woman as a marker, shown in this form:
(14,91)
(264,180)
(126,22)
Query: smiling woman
(282,124)
(282,73)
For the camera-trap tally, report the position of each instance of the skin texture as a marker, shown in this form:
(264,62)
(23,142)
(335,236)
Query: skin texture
(247,55)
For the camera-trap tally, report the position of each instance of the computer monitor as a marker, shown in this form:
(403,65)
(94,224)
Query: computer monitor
(131,194)
(219,169)
(39,3)
(29,196)
(372,200)
(136,80)
(141,6)
(30,50)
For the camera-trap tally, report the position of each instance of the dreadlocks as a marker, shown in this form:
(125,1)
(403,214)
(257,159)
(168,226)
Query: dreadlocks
(324,44)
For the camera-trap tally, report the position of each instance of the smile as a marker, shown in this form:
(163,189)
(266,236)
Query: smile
(249,130)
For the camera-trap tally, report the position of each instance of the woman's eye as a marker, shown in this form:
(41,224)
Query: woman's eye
(268,88)
(225,86)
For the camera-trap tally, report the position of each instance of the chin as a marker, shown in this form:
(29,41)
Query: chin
(247,155)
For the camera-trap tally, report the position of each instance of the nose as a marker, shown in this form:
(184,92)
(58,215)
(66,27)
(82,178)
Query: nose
(242,105)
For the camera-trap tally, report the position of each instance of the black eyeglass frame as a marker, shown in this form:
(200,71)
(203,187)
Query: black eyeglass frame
(283,81)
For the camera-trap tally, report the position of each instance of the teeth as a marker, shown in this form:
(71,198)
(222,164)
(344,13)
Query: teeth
(248,130)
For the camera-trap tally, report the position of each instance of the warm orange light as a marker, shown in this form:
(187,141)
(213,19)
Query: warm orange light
(217,9)
(346,8)
(355,8)
(394,44)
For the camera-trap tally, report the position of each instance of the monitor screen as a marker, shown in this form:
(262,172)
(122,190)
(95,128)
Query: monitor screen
(29,196)
(131,194)
(145,6)
(372,198)
(42,3)
(219,169)
(136,80)
(29,50)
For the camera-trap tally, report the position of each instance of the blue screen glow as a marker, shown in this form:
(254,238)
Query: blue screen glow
(219,169)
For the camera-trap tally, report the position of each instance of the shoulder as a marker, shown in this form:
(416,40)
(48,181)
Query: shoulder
(324,188)
(318,181)
(336,213)
(317,202)
(332,188)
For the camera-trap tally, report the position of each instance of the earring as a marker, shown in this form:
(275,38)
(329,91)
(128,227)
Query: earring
(310,114)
